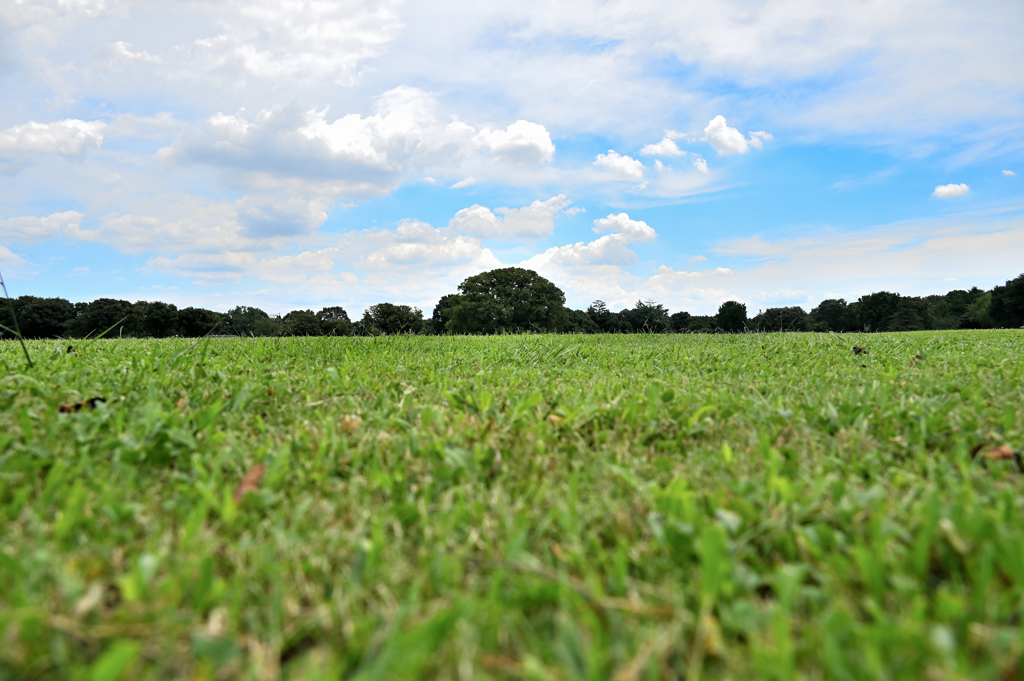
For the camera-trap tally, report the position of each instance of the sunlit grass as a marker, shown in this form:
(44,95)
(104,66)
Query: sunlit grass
(543,507)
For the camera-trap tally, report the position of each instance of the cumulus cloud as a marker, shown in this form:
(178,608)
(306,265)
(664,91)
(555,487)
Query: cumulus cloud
(29,229)
(268,216)
(624,167)
(948,191)
(462,184)
(529,223)
(521,142)
(69,137)
(666,147)
(122,53)
(311,42)
(726,140)
(354,154)
(1009,173)
(610,249)
(701,165)
(629,230)
(189,226)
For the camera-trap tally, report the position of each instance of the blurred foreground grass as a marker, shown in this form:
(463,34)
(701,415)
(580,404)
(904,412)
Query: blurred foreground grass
(540,507)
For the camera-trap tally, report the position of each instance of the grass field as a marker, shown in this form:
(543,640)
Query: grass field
(538,507)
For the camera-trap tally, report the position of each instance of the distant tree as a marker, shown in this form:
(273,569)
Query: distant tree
(155,319)
(833,315)
(1007,307)
(580,322)
(195,322)
(510,300)
(269,326)
(875,310)
(782,319)
(334,321)
(911,314)
(647,317)
(242,320)
(978,314)
(732,316)
(98,316)
(39,317)
(443,312)
(389,319)
(606,320)
(301,323)
(679,321)
(701,324)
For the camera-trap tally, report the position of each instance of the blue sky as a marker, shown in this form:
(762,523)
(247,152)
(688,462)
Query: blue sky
(296,154)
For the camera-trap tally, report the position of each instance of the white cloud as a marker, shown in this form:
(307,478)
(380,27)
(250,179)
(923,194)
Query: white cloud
(575,210)
(188,226)
(666,147)
(268,216)
(759,137)
(121,52)
(948,191)
(1009,173)
(701,165)
(69,137)
(698,258)
(595,268)
(521,142)
(462,184)
(723,139)
(624,167)
(356,155)
(310,42)
(630,230)
(532,222)
(29,229)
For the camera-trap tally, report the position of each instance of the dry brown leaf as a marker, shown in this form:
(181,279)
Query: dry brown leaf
(270,392)
(557,551)
(250,483)
(555,419)
(181,403)
(351,423)
(857,350)
(79,406)
(1000,453)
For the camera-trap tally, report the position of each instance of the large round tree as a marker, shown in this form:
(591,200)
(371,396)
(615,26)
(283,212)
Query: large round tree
(508,300)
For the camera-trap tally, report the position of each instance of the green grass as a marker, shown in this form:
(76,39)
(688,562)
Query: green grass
(537,507)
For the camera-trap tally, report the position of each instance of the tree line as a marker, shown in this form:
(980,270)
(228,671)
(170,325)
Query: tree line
(514,300)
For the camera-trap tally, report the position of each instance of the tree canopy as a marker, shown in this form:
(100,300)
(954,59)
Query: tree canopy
(508,300)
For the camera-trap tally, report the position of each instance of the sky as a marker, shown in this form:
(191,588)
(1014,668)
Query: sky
(291,154)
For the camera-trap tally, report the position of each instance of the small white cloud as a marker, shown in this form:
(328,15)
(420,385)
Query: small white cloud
(430,180)
(625,167)
(698,258)
(666,147)
(122,52)
(701,165)
(30,229)
(267,216)
(622,225)
(535,221)
(948,191)
(575,210)
(522,142)
(759,137)
(462,184)
(79,271)
(69,137)
(1009,173)
(723,139)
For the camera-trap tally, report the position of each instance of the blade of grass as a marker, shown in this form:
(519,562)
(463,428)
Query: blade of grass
(17,329)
